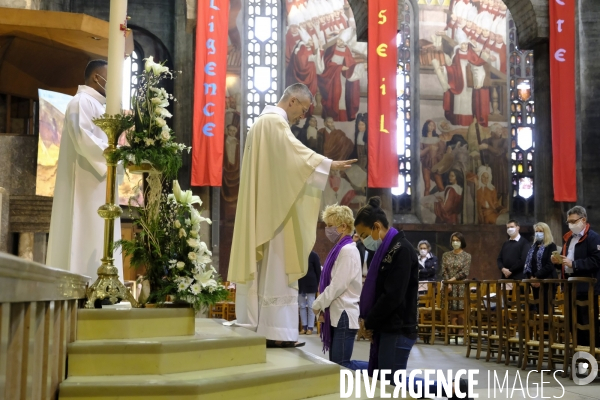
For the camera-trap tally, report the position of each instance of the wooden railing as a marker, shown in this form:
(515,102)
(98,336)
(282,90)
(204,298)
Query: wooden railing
(38,312)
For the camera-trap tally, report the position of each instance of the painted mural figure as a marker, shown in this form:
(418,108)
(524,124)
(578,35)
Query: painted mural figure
(488,206)
(495,154)
(231,164)
(461,101)
(305,63)
(312,136)
(337,145)
(360,141)
(448,208)
(432,151)
(339,83)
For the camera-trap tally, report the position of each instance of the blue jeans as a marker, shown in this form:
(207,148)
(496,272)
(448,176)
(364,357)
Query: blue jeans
(342,344)
(307,315)
(394,350)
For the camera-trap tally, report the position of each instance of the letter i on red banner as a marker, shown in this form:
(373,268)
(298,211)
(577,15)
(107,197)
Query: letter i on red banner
(209,92)
(382,94)
(562,94)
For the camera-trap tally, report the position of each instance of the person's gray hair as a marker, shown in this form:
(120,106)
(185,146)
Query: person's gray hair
(426,243)
(297,90)
(577,210)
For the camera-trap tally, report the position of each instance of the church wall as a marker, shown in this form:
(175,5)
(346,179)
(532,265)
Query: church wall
(18,157)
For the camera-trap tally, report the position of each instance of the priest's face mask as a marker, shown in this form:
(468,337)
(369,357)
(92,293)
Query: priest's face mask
(101,82)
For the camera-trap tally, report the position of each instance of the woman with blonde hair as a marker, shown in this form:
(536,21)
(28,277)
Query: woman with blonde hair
(339,288)
(538,264)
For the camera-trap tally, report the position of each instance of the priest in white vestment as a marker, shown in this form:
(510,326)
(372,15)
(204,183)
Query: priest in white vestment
(76,239)
(275,223)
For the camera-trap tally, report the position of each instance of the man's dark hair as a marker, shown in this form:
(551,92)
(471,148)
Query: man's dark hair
(92,66)
(514,221)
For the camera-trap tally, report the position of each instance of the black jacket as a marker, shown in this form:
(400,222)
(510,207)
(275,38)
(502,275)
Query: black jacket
(310,282)
(587,258)
(428,271)
(547,270)
(396,290)
(513,256)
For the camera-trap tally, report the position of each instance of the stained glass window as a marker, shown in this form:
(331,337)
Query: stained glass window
(261,61)
(522,126)
(402,194)
(131,70)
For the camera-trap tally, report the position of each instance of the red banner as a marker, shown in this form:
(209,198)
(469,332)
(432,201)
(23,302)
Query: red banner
(562,92)
(382,95)
(209,92)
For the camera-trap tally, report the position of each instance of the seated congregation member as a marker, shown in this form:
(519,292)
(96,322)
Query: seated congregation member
(456,265)
(388,302)
(581,258)
(538,264)
(428,263)
(307,290)
(340,286)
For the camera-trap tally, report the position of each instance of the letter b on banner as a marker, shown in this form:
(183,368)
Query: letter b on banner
(593,364)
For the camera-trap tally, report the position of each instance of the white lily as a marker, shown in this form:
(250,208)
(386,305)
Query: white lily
(184,197)
(157,69)
(206,279)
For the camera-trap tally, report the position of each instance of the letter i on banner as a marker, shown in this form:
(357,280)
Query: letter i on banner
(382,94)
(209,92)
(562,94)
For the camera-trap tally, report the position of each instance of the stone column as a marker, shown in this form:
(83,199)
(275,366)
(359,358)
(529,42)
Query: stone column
(26,242)
(588,109)
(546,209)
(4,217)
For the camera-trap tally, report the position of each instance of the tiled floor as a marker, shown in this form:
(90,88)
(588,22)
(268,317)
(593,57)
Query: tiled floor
(453,357)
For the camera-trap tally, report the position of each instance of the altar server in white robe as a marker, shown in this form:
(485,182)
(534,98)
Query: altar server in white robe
(275,223)
(76,239)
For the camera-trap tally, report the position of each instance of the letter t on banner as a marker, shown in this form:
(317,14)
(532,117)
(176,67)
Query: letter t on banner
(209,92)
(562,94)
(382,94)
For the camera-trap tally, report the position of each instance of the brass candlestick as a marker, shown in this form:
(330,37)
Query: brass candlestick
(108,285)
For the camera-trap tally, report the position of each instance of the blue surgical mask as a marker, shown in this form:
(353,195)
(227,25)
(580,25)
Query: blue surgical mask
(539,236)
(371,243)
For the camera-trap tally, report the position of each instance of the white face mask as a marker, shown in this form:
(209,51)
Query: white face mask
(577,227)
(423,252)
(456,245)
(511,231)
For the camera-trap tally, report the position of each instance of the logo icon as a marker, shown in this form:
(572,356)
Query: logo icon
(583,367)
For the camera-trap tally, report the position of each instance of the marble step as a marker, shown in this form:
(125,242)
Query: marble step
(212,346)
(134,323)
(289,374)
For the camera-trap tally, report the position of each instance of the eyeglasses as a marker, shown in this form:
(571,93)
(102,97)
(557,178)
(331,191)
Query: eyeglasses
(573,221)
(304,109)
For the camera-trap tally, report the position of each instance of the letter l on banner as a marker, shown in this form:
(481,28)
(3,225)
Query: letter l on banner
(562,94)
(382,94)
(209,92)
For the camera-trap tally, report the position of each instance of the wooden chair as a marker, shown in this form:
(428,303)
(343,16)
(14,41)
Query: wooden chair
(430,311)
(492,320)
(559,337)
(513,315)
(218,310)
(575,326)
(475,330)
(449,313)
(534,325)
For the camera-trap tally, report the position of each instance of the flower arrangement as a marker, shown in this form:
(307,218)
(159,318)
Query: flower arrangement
(177,261)
(151,141)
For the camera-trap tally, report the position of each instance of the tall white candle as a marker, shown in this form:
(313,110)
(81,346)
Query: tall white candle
(116,55)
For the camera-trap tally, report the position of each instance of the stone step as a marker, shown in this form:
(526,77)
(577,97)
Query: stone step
(289,374)
(212,346)
(134,323)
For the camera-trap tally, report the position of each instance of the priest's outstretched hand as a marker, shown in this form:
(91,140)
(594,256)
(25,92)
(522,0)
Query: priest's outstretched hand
(342,165)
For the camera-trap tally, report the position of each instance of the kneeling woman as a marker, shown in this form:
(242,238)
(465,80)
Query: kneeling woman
(388,302)
(340,286)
